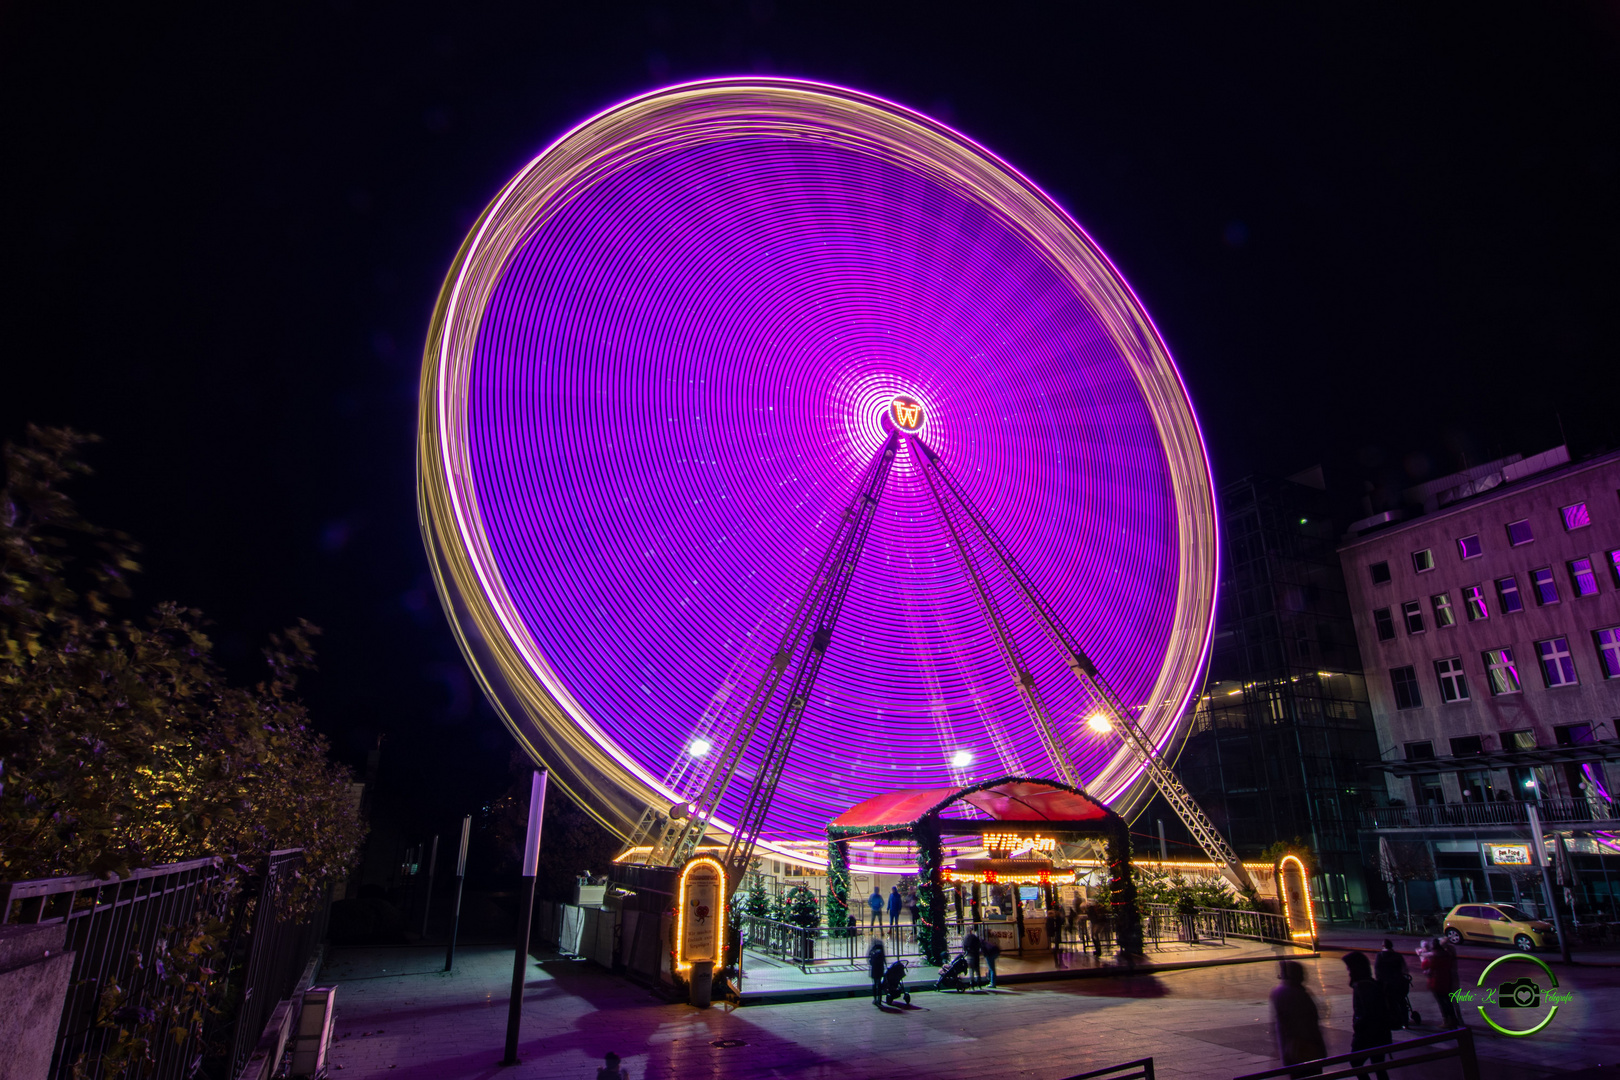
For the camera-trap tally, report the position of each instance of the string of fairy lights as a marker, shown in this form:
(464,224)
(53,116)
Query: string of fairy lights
(659,362)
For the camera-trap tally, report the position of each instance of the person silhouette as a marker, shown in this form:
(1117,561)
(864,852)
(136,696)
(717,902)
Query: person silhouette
(894,908)
(875,903)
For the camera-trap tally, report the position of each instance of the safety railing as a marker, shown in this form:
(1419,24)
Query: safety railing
(119,929)
(821,945)
(1390,1058)
(1465,814)
(1140,1069)
(1161,923)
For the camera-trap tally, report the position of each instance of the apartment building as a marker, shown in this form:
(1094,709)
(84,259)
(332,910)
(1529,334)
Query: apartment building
(1488,617)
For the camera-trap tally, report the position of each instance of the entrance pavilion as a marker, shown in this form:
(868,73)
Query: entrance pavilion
(1010,806)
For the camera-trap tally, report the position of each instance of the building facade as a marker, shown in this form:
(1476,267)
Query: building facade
(1279,737)
(1488,616)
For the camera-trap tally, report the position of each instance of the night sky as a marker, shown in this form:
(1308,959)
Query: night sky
(1385,239)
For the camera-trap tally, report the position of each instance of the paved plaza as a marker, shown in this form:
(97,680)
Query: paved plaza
(401,1018)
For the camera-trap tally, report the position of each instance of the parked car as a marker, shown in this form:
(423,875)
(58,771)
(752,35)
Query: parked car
(1501,924)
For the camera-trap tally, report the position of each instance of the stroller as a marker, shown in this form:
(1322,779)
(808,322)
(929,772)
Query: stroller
(893,984)
(953,976)
(1401,1013)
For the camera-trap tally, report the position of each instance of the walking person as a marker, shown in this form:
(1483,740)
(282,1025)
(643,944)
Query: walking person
(894,909)
(1441,965)
(1369,1026)
(991,951)
(1389,970)
(1298,1025)
(877,963)
(875,904)
(972,950)
(612,1070)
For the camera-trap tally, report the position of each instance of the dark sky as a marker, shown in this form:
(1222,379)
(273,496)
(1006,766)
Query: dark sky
(1384,238)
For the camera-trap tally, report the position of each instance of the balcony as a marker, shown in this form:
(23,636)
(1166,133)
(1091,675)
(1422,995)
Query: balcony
(1472,814)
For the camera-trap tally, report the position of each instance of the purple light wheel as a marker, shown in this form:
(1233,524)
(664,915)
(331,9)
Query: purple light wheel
(659,362)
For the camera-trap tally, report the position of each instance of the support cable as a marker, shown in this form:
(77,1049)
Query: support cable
(1097,689)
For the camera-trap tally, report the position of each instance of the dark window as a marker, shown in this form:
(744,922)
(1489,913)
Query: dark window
(1453,684)
(1468,744)
(1546,588)
(1385,625)
(1614,566)
(1468,546)
(1576,517)
(1507,591)
(1519,533)
(1573,735)
(1519,740)
(1423,561)
(1474,603)
(1412,612)
(1582,578)
(1405,682)
(1380,572)
(1420,751)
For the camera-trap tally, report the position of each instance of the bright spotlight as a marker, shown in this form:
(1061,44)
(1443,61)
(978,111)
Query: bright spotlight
(1099,723)
(961,759)
(699,747)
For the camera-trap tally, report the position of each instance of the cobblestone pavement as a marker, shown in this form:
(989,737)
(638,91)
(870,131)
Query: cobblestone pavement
(400,1018)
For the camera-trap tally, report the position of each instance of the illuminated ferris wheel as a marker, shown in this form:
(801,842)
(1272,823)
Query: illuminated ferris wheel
(780,446)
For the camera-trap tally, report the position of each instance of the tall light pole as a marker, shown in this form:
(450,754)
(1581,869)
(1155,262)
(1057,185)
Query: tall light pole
(1541,861)
(520,959)
(461,876)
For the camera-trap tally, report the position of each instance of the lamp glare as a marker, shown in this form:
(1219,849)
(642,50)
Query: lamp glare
(699,747)
(961,759)
(1099,723)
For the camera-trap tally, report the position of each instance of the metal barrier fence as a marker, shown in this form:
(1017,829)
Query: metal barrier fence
(118,928)
(1160,923)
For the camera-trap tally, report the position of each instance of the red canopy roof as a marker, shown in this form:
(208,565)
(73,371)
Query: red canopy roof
(1004,800)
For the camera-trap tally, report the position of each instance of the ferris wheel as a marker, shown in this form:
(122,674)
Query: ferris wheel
(780,446)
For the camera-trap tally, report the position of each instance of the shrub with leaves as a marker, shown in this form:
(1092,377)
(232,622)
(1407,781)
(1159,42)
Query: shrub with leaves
(122,742)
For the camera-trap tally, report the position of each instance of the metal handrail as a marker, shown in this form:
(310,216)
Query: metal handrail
(1143,1071)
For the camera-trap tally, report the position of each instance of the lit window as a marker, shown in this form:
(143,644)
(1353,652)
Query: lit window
(1614,566)
(1385,625)
(1423,561)
(1576,517)
(1380,573)
(1519,533)
(1405,682)
(1507,591)
(1557,666)
(1519,740)
(1453,685)
(1608,646)
(1468,546)
(1501,672)
(1474,603)
(1582,577)
(1443,615)
(1412,612)
(1546,588)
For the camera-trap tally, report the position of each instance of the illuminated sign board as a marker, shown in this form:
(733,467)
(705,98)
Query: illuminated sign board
(1509,854)
(907,413)
(700,914)
(1015,842)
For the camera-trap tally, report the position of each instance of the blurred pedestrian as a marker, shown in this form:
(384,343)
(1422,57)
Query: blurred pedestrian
(876,964)
(894,908)
(1298,1025)
(875,904)
(1389,969)
(1440,962)
(991,952)
(1369,1025)
(972,950)
(611,1070)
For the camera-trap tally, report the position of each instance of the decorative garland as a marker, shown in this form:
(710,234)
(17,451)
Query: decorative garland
(837,883)
(1122,892)
(931,913)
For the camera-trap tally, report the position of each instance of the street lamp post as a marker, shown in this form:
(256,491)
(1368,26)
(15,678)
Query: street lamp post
(520,959)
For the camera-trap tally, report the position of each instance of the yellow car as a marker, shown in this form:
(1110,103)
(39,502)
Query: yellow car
(1501,924)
